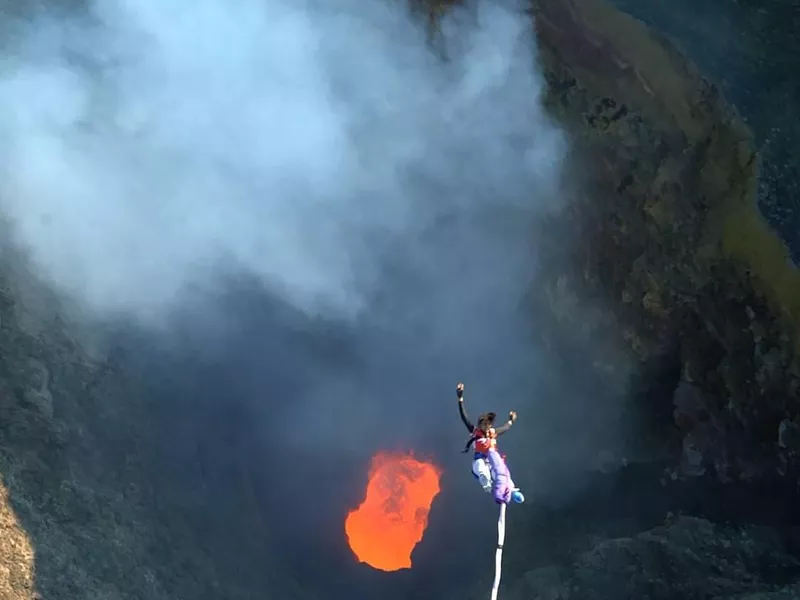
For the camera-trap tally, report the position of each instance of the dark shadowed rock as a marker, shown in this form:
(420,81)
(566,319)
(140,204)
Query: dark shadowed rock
(686,558)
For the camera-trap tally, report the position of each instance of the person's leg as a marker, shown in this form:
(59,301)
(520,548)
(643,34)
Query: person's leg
(482,472)
(503,487)
(516,494)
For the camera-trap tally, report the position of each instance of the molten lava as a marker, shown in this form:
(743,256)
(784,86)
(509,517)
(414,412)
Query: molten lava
(391,520)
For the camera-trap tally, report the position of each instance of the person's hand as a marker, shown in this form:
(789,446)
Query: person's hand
(512,416)
(460,391)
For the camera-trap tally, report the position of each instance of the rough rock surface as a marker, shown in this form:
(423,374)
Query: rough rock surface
(86,511)
(16,554)
(670,239)
(685,558)
(750,48)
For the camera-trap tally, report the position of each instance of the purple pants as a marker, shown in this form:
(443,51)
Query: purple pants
(502,485)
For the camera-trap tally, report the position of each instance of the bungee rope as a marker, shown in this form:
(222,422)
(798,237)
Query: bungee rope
(498,555)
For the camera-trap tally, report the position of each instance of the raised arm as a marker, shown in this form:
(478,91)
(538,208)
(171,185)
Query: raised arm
(461,411)
(512,416)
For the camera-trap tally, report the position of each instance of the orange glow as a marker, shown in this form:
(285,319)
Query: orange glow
(391,520)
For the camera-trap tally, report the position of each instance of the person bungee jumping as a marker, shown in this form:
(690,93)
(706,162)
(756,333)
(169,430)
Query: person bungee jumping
(484,437)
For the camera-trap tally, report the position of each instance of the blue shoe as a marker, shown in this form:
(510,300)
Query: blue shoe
(517,497)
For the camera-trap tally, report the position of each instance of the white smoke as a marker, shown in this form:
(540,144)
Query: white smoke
(149,142)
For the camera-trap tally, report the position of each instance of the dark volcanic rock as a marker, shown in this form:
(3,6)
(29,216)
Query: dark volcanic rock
(668,237)
(686,558)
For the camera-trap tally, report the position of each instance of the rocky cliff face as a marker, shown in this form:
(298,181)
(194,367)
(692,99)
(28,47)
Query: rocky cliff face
(684,558)
(104,492)
(749,48)
(673,248)
(670,238)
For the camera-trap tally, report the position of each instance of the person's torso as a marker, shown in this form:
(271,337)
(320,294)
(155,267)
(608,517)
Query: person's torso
(485,441)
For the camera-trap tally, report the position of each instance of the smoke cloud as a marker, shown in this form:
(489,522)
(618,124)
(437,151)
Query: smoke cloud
(327,151)
(151,142)
(376,192)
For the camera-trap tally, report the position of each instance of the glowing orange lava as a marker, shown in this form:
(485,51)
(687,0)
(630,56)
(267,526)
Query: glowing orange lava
(391,520)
